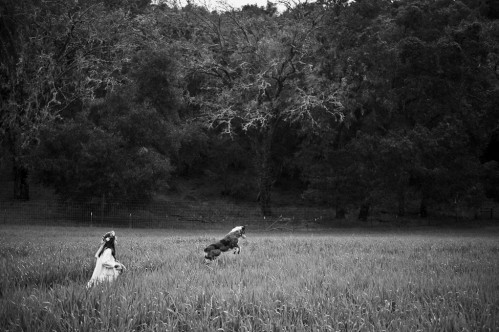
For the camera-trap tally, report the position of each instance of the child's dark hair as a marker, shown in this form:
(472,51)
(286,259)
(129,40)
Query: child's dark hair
(108,239)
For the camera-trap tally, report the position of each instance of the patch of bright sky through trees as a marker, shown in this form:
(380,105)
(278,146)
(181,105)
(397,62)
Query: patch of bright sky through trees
(222,5)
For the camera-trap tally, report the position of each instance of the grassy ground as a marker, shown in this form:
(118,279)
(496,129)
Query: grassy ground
(428,280)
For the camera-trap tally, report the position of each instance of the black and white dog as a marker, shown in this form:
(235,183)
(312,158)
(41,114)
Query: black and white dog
(227,243)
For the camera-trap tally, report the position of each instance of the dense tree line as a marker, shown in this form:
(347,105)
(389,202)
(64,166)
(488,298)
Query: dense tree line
(352,104)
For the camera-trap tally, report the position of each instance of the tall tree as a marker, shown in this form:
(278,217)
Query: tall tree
(122,143)
(258,72)
(55,56)
(414,68)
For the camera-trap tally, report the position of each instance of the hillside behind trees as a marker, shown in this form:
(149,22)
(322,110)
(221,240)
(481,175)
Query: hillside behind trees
(343,104)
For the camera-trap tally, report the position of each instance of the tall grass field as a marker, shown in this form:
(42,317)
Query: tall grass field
(344,280)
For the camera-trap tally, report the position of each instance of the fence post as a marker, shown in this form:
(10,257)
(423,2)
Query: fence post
(91,218)
(103,202)
(130,221)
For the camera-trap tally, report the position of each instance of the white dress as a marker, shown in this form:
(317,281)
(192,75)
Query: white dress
(106,268)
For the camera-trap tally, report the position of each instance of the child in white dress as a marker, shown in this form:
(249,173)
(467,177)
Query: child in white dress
(107,268)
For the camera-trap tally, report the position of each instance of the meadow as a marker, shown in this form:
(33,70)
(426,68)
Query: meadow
(340,280)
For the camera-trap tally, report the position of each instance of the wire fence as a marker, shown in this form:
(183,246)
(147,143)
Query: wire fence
(171,214)
(47,209)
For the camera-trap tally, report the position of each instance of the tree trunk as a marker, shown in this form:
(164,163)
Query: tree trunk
(364,210)
(21,185)
(340,213)
(423,206)
(19,171)
(264,160)
(401,202)
(265,197)
(340,210)
(401,194)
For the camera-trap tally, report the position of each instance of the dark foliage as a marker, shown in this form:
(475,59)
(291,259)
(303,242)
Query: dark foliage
(356,105)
